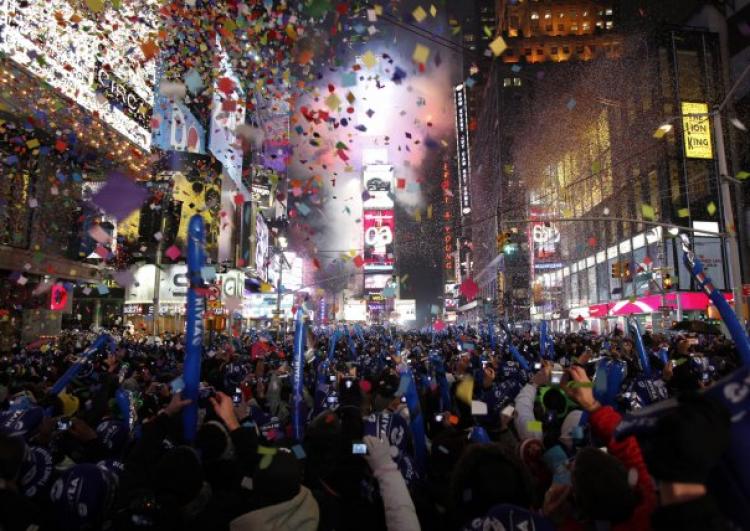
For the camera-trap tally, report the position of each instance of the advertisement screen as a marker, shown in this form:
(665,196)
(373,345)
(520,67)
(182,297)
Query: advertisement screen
(379,227)
(261,247)
(377,282)
(103,67)
(263,306)
(378,184)
(355,310)
(406,309)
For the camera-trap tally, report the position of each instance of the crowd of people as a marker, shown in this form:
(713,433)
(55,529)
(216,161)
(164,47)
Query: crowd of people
(401,430)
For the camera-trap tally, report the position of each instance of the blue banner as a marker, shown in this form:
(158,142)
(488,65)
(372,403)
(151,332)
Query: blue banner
(415,414)
(298,375)
(543,339)
(196,259)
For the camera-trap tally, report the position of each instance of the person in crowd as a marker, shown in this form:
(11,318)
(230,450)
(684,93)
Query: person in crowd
(398,430)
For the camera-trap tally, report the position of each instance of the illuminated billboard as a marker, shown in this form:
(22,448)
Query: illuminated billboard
(379,227)
(227,113)
(696,127)
(544,239)
(97,60)
(261,247)
(462,148)
(377,281)
(291,278)
(378,183)
(406,309)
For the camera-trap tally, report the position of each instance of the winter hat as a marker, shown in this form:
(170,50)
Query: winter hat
(36,471)
(113,435)
(178,475)
(277,477)
(509,517)
(603,486)
(21,423)
(81,496)
(213,442)
(69,403)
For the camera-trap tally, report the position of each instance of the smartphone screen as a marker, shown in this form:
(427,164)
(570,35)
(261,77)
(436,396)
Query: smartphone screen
(64,424)
(537,365)
(556,377)
(332,378)
(438,418)
(359,449)
(348,384)
(177,385)
(237,396)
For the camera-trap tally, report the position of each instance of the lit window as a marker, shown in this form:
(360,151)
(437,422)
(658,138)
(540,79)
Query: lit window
(574,27)
(535,16)
(585,13)
(517,81)
(608,11)
(586,26)
(547,15)
(609,24)
(599,24)
(506,82)
(562,15)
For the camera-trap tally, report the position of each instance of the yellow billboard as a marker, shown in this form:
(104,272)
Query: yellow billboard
(696,127)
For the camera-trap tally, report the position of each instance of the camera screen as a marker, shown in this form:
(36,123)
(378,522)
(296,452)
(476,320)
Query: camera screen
(537,365)
(359,449)
(556,377)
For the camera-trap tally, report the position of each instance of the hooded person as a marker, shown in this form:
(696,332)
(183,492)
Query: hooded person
(16,510)
(279,500)
(82,496)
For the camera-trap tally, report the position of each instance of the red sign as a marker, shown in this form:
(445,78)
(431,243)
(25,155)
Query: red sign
(58,298)
(746,290)
(380,230)
(689,300)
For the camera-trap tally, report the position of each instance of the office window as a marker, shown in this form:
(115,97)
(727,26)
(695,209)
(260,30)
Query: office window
(579,49)
(609,24)
(586,26)
(527,51)
(548,27)
(517,82)
(540,51)
(566,49)
(574,27)
(585,13)
(573,14)
(561,27)
(608,11)
(535,16)
(506,82)
(562,15)
(599,24)
(547,15)
(554,50)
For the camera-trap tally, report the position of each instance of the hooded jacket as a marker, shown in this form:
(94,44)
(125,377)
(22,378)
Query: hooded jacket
(300,513)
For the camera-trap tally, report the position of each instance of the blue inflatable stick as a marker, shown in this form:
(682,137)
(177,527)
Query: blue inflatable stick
(75,368)
(299,367)
(196,259)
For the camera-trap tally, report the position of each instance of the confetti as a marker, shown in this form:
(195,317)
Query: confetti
(498,46)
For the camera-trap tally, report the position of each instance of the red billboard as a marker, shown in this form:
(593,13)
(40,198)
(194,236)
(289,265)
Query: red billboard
(380,229)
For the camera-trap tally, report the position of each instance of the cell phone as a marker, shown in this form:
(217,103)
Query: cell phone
(484,364)
(64,424)
(556,377)
(359,448)
(438,418)
(237,396)
(332,378)
(204,393)
(177,385)
(403,399)
(348,384)
(508,411)
(692,341)
(332,399)
(537,365)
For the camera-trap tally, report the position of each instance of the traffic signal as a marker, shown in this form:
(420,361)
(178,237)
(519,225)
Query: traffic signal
(617,270)
(627,273)
(667,281)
